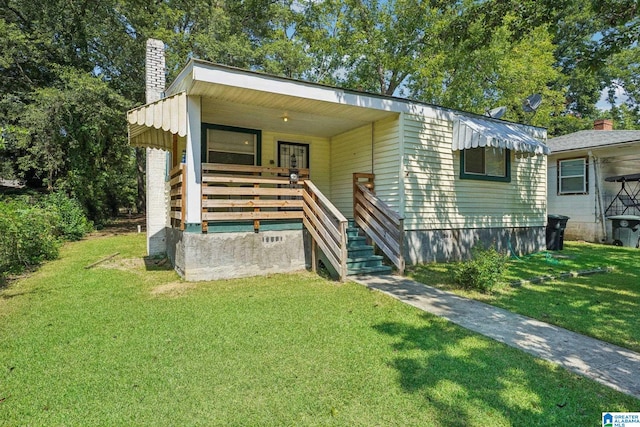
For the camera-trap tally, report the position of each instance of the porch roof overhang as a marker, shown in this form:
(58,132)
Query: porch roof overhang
(473,132)
(152,125)
(246,99)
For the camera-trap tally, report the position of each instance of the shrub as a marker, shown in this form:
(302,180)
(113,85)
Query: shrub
(483,271)
(26,235)
(70,221)
(32,227)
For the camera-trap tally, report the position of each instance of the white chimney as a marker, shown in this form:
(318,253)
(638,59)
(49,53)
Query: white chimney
(155,70)
(157,187)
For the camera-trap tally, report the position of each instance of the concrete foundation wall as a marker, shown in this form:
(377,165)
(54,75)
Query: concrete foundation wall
(232,255)
(422,246)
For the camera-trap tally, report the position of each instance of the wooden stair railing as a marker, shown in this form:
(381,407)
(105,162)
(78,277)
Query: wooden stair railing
(383,225)
(328,227)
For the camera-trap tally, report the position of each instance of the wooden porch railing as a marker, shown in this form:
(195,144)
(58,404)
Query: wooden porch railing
(383,225)
(328,227)
(178,184)
(255,193)
(240,193)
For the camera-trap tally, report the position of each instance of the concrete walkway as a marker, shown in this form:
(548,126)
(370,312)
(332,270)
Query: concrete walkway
(608,364)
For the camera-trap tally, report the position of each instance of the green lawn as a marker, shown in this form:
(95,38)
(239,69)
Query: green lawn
(121,344)
(604,306)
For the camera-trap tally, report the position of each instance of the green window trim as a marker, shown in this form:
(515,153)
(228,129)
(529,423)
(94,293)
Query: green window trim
(256,132)
(484,177)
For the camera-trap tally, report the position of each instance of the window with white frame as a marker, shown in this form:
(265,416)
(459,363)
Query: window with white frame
(573,176)
(487,163)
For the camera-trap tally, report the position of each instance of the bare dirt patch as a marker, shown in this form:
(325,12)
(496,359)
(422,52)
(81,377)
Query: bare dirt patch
(125,264)
(121,225)
(174,289)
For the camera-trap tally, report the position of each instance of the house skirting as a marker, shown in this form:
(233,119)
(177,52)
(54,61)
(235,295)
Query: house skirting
(422,246)
(587,231)
(214,256)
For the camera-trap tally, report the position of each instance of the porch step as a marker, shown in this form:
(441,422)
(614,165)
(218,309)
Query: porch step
(355,241)
(360,256)
(381,269)
(369,261)
(353,231)
(361,251)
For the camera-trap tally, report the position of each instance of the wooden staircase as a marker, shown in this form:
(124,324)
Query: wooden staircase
(360,256)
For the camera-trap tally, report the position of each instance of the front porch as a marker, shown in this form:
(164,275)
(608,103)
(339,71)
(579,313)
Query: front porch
(260,220)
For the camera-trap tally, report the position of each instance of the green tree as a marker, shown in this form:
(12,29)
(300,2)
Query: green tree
(73,138)
(372,45)
(480,73)
(60,113)
(623,70)
(282,48)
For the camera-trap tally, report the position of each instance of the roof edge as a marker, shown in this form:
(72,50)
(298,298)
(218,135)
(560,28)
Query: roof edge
(593,147)
(191,67)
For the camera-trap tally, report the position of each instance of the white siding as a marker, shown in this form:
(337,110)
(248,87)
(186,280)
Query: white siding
(580,208)
(436,197)
(350,152)
(386,163)
(319,150)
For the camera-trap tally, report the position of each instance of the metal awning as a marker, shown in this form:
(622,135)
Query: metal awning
(153,125)
(472,132)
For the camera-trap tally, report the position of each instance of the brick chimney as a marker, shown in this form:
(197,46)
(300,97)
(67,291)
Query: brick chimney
(157,188)
(603,124)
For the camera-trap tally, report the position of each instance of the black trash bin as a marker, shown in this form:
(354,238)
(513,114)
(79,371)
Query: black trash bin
(556,225)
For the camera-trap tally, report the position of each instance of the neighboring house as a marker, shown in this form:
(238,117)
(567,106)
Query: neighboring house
(222,143)
(578,168)
(10,183)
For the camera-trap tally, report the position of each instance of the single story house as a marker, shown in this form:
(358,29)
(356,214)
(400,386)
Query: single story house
(249,173)
(582,179)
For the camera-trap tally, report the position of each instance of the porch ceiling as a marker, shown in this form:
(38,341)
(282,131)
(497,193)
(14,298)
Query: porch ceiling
(254,109)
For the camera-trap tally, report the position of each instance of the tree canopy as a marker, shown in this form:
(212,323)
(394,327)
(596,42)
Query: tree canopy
(71,68)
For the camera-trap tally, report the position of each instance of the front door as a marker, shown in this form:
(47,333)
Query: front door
(293,155)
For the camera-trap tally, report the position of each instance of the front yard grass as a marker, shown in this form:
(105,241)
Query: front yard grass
(127,344)
(604,306)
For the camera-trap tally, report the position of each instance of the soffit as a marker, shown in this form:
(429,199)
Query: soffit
(255,109)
